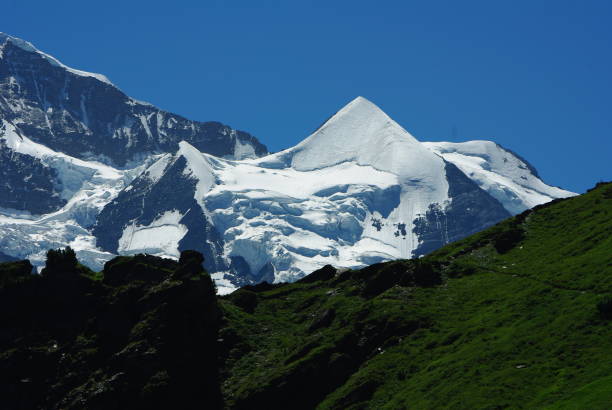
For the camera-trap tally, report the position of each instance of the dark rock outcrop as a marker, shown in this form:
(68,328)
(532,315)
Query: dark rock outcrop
(139,339)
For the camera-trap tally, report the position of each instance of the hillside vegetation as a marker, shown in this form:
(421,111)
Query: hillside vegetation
(517,316)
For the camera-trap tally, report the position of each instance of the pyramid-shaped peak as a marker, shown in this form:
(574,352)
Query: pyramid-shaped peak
(360,132)
(362,102)
(362,110)
(358,122)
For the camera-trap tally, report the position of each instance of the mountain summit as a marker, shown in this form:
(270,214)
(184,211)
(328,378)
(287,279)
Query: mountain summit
(359,132)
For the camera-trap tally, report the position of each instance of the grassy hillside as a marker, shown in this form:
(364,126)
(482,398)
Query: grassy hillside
(517,316)
(513,324)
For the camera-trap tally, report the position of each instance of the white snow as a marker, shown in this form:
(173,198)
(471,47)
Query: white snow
(198,166)
(25,45)
(87,185)
(160,237)
(499,172)
(156,171)
(243,151)
(73,172)
(224,286)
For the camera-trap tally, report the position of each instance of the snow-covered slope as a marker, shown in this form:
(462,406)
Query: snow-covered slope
(359,190)
(502,173)
(85,187)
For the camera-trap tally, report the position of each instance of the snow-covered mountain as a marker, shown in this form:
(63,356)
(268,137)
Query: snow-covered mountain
(85,116)
(359,190)
(70,140)
(84,165)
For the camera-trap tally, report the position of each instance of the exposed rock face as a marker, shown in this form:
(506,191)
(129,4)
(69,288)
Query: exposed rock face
(85,117)
(140,207)
(27,183)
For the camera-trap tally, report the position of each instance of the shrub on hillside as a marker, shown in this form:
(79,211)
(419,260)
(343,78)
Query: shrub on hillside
(60,262)
(245,299)
(13,272)
(457,269)
(508,239)
(605,307)
(426,274)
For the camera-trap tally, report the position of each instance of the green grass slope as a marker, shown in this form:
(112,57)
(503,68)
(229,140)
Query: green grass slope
(506,318)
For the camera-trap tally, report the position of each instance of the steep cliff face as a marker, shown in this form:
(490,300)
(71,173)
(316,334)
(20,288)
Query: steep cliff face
(27,183)
(84,115)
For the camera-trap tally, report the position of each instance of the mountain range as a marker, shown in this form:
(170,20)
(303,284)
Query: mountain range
(85,165)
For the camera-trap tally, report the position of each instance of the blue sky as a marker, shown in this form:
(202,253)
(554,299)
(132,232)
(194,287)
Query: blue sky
(534,76)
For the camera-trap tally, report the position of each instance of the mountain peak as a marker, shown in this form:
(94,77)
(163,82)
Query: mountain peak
(360,112)
(360,132)
(29,47)
(362,103)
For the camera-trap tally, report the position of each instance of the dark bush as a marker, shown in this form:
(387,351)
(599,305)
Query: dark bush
(508,239)
(520,218)
(323,319)
(380,277)
(262,286)
(147,268)
(60,262)
(605,307)
(425,274)
(244,299)
(599,185)
(459,269)
(12,272)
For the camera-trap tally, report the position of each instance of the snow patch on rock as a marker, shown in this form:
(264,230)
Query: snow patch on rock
(160,237)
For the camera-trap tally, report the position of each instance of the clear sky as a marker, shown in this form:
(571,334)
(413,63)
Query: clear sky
(534,76)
